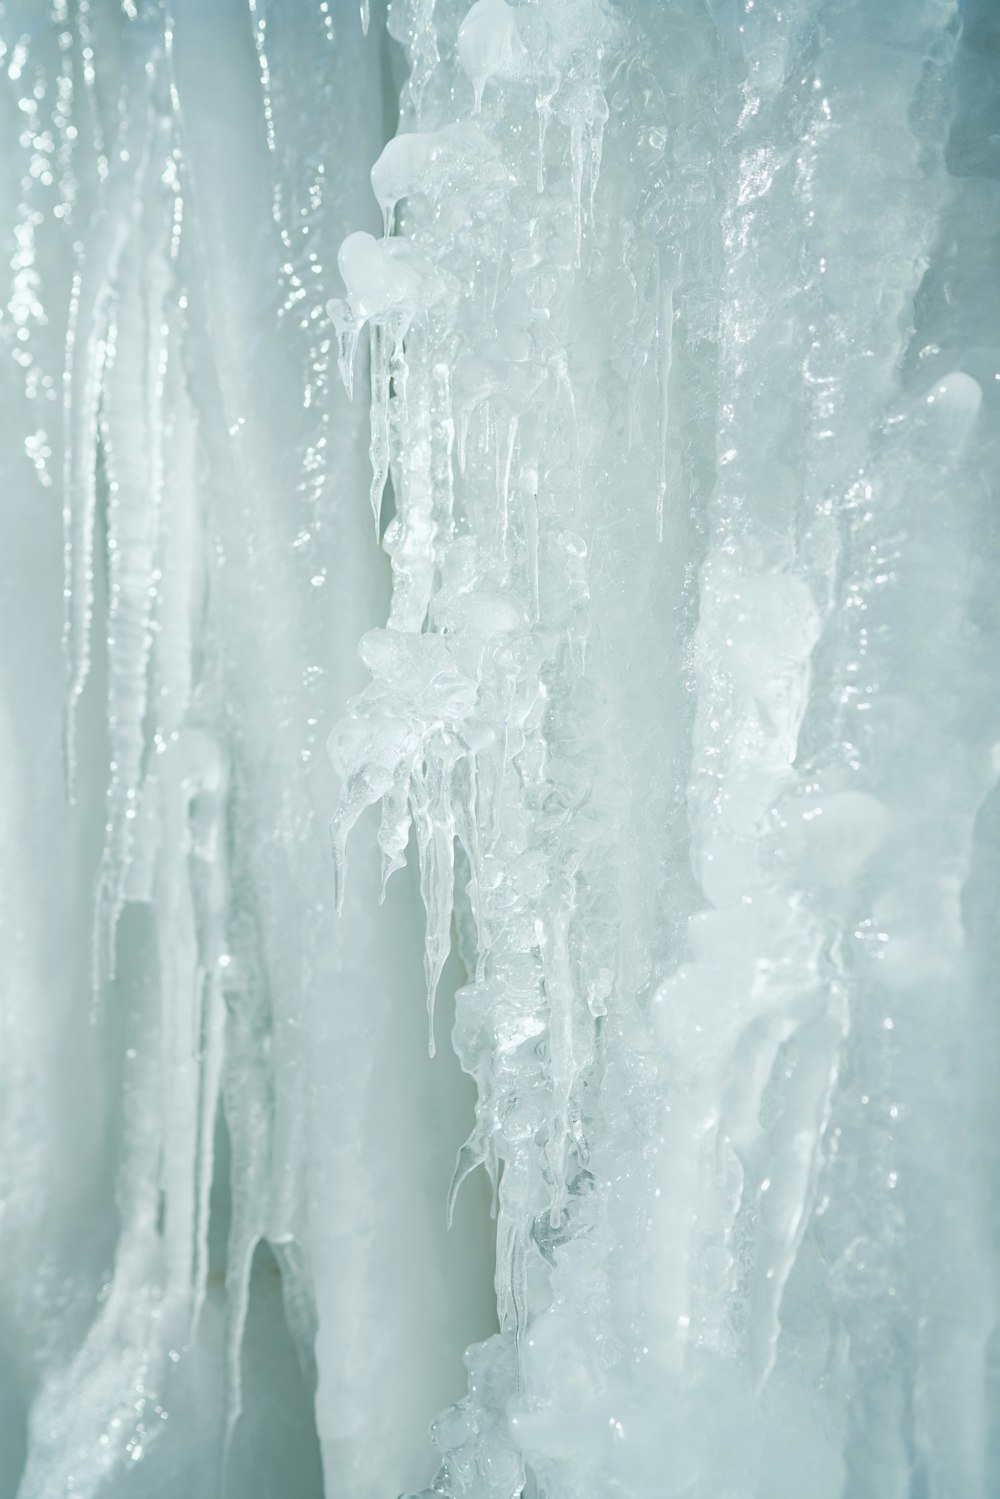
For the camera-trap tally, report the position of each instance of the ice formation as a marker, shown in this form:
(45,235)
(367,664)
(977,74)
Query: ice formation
(656,345)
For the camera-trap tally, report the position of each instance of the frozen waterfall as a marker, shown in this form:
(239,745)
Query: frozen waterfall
(500,749)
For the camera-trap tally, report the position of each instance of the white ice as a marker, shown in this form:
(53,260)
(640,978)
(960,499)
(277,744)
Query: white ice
(500,1003)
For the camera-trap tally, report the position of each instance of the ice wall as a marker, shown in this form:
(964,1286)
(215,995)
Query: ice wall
(579,415)
(170,947)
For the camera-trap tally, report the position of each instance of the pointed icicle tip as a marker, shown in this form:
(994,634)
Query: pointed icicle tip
(490,47)
(468,1158)
(338,848)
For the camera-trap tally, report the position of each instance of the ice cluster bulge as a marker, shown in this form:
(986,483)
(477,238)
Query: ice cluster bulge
(503,1007)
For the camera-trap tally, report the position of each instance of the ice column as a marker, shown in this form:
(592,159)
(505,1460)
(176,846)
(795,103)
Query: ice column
(701,811)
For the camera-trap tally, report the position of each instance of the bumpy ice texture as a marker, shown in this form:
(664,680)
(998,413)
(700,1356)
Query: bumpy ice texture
(669,366)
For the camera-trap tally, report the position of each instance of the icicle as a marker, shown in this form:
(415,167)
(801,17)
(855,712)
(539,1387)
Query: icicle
(238,1271)
(576,133)
(598,120)
(209,881)
(132,424)
(469,1157)
(443,439)
(192,772)
(398,368)
(395,828)
(379,448)
(432,818)
(359,794)
(506,1232)
(212,1057)
(466,796)
(505,461)
(464,417)
(529,505)
(490,47)
(559,993)
(561,367)
(86,352)
(664,359)
(248,1106)
(511,1265)
(412,539)
(338,849)
(348,332)
(543,108)
(785,1197)
(636,369)
(365,16)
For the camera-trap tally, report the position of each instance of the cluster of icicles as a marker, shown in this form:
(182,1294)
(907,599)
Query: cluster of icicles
(662,512)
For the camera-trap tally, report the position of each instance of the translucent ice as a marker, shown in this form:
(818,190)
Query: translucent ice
(648,752)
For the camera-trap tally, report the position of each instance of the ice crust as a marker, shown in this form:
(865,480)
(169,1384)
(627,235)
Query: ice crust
(661,345)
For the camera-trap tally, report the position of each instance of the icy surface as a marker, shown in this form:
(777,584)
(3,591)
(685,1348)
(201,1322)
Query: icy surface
(554,445)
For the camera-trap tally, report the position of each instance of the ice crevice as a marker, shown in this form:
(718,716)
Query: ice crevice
(503,1007)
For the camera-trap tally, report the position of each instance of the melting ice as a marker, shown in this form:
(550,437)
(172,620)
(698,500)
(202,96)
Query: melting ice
(500,749)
